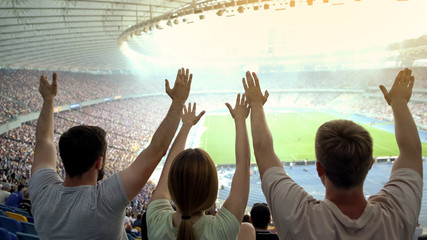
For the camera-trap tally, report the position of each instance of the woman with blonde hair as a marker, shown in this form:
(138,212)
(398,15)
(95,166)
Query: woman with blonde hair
(190,179)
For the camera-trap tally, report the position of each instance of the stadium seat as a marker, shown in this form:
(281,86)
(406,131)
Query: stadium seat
(22,212)
(26,236)
(6,208)
(130,237)
(30,219)
(16,216)
(13,236)
(138,228)
(28,228)
(10,224)
(4,234)
(2,213)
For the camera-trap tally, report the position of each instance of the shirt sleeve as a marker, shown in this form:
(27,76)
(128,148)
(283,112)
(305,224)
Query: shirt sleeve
(227,223)
(113,194)
(286,199)
(41,180)
(402,194)
(159,218)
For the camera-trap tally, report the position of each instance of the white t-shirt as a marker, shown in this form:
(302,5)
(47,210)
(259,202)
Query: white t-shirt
(224,225)
(390,214)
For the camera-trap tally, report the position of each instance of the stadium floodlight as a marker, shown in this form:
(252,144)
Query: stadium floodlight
(256,8)
(325,1)
(309,2)
(292,3)
(201,17)
(241,9)
(266,6)
(169,23)
(175,21)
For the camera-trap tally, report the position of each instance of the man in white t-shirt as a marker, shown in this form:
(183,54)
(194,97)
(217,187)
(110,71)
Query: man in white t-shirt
(344,157)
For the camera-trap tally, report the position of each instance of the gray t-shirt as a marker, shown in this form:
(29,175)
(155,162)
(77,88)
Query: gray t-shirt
(83,212)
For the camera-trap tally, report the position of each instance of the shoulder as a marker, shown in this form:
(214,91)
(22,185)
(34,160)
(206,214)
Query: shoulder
(159,220)
(224,225)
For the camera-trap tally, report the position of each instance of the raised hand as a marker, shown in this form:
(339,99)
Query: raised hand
(181,88)
(48,91)
(241,109)
(401,89)
(253,89)
(189,117)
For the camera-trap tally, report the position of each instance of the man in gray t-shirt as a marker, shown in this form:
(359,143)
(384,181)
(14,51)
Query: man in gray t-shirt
(78,207)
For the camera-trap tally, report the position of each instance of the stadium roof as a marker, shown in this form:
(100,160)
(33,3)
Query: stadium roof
(72,35)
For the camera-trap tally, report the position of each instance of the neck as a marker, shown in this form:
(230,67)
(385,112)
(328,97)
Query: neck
(87,178)
(351,202)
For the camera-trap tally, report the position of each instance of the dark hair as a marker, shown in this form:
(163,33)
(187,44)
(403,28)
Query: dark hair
(193,186)
(260,215)
(344,149)
(246,218)
(20,187)
(80,147)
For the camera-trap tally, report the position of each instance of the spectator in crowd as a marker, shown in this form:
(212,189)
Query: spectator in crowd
(190,179)
(15,198)
(25,204)
(344,154)
(93,211)
(4,193)
(138,220)
(260,218)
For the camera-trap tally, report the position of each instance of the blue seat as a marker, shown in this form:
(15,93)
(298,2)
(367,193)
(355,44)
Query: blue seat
(30,219)
(13,236)
(22,212)
(26,236)
(2,213)
(28,228)
(10,224)
(4,234)
(6,208)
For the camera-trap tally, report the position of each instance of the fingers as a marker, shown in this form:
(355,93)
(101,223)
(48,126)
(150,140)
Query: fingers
(256,79)
(237,100)
(249,79)
(190,80)
(245,86)
(384,90)
(199,116)
(243,100)
(185,109)
(411,82)
(194,108)
(266,94)
(229,108)
(167,86)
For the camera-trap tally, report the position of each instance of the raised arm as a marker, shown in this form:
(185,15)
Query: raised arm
(261,135)
(189,119)
(45,151)
(239,192)
(136,175)
(406,131)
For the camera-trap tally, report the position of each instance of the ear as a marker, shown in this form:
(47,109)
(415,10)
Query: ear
(319,168)
(98,163)
(320,172)
(372,163)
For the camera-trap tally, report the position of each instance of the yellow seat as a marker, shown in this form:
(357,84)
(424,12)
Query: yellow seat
(16,216)
(138,228)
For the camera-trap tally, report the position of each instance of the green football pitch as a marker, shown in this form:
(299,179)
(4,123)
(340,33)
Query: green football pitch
(293,136)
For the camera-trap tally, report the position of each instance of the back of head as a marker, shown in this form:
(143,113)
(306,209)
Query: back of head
(80,147)
(20,187)
(344,149)
(260,215)
(25,193)
(6,186)
(193,185)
